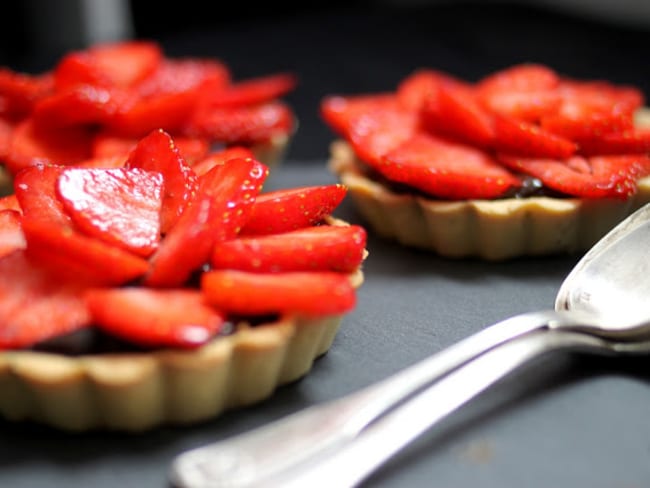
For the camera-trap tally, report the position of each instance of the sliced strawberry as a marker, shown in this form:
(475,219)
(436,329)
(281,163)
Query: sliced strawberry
(21,91)
(33,144)
(595,177)
(158,152)
(222,204)
(118,206)
(373,124)
(106,162)
(310,293)
(414,90)
(454,112)
(252,92)
(526,77)
(79,105)
(119,64)
(290,209)
(632,141)
(241,125)
(75,256)
(11,234)
(53,242)
(447,170)
(154,318)
(104,144)
(36,305)
(528,139)
(10,202)
(590,109)
(220,157)
(321,248)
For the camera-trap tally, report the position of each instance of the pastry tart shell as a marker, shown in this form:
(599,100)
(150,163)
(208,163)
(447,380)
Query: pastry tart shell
(492,230)
(139,391)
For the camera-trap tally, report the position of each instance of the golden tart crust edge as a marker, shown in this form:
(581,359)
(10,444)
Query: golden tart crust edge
(492,230)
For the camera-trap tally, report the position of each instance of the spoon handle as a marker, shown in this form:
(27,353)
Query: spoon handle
(355,461)
(246,459)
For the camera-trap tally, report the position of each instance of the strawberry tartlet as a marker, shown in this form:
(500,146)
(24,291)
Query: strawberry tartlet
(523,162)
(98,102)
(148,291)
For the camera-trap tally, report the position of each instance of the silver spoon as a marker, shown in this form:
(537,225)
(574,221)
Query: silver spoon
(603,300)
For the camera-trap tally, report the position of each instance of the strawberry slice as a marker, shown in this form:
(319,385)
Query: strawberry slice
(289,209)
(447,170)
(118,206)
(416,89)
(104,144)
(10,202)
(158,152)
(373,124)
(11,234)
(632,141)
(220,157)
(590,109)
(33,144)
(36,305)
(54,243)
(241,124)
(154,318)
(594,177)
(251,92)
(19,92)
(525,77)
(310,293)
(322,248)
(78,105)
(454,112)
(527,139)
(120,64)
(222,204)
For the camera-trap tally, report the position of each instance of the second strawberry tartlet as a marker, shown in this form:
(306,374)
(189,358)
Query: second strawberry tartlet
(522,162)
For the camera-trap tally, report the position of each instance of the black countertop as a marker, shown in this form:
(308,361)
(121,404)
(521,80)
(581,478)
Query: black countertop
(564,421)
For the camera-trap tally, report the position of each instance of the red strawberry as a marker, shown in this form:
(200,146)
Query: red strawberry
(79,105)
(104,144)
(589,110)
(595,177)
(154,318)
(241,125)
(285,210)
(19,92)
(11,234)
(526,77)
(222,204)
(53,242)
(454,112)
(36,305)
(251,92)
(33,144)
(632,141)
(220,157)
(321,248)
(373,124)
(119,64)
(309,293)
(527,139)
(158,152)
(10,202)
(118,206)
(447,170)
(6,133)
(416,89)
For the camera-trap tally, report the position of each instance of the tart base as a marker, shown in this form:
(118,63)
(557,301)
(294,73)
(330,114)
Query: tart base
(138,391)
(493,230)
